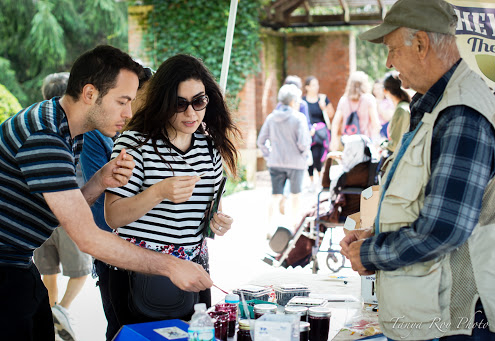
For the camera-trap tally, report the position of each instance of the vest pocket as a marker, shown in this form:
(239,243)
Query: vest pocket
(403,201)
(409,297)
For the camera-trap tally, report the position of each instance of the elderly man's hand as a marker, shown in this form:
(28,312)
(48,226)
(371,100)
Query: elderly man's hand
(354,255)
(352,236)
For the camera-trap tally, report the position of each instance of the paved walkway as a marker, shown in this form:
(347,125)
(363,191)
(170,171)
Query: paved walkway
(235,260)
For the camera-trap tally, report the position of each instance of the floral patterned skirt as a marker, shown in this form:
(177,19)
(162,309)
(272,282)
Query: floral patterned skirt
(197,254)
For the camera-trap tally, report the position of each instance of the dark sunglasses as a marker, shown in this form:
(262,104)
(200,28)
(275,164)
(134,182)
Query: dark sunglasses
(198,103)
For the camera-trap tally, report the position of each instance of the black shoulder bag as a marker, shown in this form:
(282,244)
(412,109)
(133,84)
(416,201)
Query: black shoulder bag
(156,297)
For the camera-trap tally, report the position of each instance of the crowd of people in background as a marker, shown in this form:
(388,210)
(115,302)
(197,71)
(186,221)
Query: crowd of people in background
(377,110)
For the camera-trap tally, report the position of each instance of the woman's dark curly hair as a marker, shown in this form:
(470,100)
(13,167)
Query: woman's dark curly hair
(160,106)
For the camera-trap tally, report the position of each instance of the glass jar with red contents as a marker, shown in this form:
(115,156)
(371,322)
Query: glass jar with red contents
(303,331)
(234,299)
(231,309)
(244,333)
(297,310)
(221,324)
(262,309)
(319,323)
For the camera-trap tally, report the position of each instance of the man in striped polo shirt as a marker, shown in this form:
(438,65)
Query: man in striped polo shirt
(39,149)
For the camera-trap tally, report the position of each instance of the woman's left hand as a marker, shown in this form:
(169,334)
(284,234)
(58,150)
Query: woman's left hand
(221,223)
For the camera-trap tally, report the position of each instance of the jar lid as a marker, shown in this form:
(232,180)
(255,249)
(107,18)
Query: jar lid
(232,298)
(296,310)
(303,326)
(252,289)
(244,325)
(291,287)
(259,308)
(319,312)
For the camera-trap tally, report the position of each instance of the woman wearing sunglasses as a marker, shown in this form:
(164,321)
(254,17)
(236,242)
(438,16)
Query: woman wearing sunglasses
(179,139)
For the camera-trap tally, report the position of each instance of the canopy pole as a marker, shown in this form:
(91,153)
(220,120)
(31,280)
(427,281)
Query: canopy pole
(228,45)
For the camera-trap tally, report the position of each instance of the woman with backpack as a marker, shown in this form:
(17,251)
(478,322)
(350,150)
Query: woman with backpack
(356,112)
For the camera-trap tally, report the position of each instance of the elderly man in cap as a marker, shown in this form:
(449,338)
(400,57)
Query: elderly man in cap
(431,245)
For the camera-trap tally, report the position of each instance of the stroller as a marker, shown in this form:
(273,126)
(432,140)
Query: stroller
(300,247)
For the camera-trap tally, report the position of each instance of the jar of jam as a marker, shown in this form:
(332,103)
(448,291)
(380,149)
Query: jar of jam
(234,299)
(244,333)
(319,323)
(232,310)
(304,331)
(297,310)
(262,309)
(221,322)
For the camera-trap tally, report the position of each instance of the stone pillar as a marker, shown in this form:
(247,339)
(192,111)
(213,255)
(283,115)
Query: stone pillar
(136,28)
(245,119)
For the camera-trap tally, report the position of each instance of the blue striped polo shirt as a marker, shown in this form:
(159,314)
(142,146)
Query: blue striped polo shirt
(37,155)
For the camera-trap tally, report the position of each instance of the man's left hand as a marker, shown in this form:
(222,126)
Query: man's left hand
(117,172)
(354,255)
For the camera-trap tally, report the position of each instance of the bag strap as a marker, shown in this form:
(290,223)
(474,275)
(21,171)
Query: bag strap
(210,150)
(358,105)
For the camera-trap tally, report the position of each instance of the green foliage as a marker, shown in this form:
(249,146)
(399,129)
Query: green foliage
(10,81)
(237,184)
(9,105)
(46,36)
(370,58)
(198,27)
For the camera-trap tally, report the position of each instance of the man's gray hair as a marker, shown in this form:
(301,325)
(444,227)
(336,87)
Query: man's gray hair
(442,44)
(54,84)
(293,79)
(289,93)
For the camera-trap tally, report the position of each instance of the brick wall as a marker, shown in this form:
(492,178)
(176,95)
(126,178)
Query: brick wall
(323,55)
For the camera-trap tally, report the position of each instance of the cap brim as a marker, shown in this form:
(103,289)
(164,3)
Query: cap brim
(376,34)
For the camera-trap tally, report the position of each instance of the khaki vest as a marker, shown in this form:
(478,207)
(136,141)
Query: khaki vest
(437,298)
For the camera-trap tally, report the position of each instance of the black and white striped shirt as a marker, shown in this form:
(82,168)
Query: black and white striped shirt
(37,155)
(169,223)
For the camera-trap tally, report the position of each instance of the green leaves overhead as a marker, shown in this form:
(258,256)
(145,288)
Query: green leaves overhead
(199,27)
(104,15)
(45,36)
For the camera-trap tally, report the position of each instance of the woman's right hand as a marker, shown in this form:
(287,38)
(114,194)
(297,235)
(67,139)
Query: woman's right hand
(177,189)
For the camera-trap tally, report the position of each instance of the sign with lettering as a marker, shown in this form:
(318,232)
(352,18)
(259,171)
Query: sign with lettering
(475,33)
